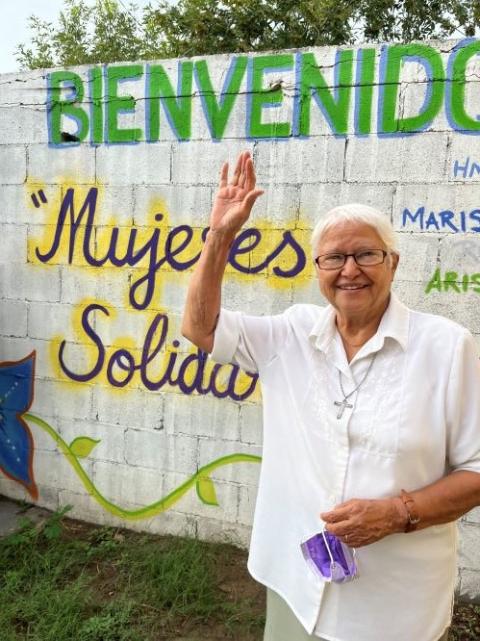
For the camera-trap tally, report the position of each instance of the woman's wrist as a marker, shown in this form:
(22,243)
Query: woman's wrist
(223,236)
(402,516)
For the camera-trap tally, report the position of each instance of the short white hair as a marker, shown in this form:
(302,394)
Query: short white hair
(355,212)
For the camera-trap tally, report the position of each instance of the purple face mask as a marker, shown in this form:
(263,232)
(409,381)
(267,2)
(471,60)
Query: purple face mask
(329,558)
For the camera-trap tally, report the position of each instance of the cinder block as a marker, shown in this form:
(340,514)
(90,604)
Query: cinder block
(460,253)
(161,451)
(122,325)
(469,551)
(218,531)
(104,285)
(13,161)
(23,122)
(78,359)
(13,208)
(22,113)
(167,131)
(239,472)
(251,424)
(424,208)
(418,257)
(473,517)
(85,508)
(264,295)
(236,126)
(186,205)
(14,349)
(413,91)
(13,244)
(295,161)
(13,490)
(13,318)
(201,416)
(317,199)
(169,523)
(42,441)
(411,159)
(47,497)
(124,484)
(111,441)
(46,319)
(199,162)
(190,503)
(128,408)
(30,282)
(469,590)
(460,307)
(171,294)
(218,68)
(71,165)
(139,164)
(246,506)
(276,209)
(115,205)
(53,470)
(308,291)
(463,160)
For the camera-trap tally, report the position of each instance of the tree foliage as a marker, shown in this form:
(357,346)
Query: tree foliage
(108,31)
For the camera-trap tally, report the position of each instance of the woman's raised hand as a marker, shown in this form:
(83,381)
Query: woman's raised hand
(235,199)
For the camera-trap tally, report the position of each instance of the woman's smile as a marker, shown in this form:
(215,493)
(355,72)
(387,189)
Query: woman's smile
(352,287)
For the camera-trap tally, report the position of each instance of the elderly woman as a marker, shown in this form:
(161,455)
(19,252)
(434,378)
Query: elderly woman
(371,429)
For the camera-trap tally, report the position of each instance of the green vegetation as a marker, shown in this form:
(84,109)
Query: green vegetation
(65,580)
(107,31)
(466,623)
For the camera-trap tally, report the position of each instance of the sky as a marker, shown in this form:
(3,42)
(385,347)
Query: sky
(14,30)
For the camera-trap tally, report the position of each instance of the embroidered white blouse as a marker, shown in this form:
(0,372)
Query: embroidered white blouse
(415,418)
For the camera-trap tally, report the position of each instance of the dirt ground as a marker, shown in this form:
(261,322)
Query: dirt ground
(230,578)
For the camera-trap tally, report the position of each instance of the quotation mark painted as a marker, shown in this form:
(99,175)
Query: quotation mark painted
(42,196)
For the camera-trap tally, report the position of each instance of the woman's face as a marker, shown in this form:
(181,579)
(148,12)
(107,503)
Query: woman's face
(354,290)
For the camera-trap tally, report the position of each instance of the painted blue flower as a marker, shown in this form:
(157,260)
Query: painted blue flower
(16,442)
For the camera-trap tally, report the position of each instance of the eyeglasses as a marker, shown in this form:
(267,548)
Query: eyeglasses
(364,258)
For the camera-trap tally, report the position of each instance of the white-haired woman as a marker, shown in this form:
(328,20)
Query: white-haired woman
(371,430)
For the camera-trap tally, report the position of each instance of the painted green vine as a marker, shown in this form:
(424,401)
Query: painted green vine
(82,446)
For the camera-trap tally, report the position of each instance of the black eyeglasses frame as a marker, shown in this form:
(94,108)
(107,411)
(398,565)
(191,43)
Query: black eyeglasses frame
(354,256)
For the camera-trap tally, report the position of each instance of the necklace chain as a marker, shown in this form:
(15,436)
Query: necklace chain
(347,396)
(342,405)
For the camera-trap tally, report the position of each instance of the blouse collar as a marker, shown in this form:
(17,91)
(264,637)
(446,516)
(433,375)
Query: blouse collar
(394,324)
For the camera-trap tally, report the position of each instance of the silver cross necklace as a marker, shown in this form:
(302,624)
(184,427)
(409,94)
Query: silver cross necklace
(342,405)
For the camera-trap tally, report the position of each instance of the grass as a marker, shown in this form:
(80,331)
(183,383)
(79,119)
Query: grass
(63,580)
(66,581)
(466,623)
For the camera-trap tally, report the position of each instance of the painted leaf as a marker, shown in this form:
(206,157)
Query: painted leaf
(82,446)
(206,491)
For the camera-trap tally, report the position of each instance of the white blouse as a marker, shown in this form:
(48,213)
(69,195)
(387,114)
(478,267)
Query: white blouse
(415,418)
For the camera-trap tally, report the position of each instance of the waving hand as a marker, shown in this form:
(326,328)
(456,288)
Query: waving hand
(235,199)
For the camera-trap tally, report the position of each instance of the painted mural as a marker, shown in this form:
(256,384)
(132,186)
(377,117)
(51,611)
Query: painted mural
(73,235)
(17,447)
(321,121)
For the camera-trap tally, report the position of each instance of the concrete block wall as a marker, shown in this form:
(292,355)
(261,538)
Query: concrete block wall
(102,209)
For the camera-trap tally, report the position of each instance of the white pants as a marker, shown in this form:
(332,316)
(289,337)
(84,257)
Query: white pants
(283,625)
